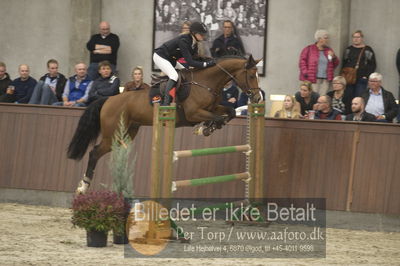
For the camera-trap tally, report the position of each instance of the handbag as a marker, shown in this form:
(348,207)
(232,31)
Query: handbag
(350,73)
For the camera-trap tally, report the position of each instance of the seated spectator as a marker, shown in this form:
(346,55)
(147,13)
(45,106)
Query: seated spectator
(325,110)
(77,88)
(359,113)
(106,85)
(137,81)
(50,87)
(341,97)
(229,43)
(379,101)
(244,98)
(290,108)
(20,89)
(4,81)
(241,108)
(306,97)
(230,95)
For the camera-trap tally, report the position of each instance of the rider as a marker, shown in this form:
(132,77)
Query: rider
(183,46)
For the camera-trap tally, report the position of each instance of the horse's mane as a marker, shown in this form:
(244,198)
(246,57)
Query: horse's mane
(226,57)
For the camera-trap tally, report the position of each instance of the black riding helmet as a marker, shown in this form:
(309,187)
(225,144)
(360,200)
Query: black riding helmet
(198,27)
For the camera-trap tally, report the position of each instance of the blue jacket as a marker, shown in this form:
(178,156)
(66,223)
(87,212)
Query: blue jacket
(77,93)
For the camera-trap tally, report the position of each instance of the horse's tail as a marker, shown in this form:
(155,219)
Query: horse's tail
(87,131)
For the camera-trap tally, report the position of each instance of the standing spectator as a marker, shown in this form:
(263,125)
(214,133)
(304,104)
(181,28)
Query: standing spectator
(318,62)
(306,97)
(103,47)
(106,85)
(230,95)
(398,68)
(50,87)
(20,89)
(358,109)
(341,96)
(290,108)
(325,110)
(227,43)
(379,101)
(137,81)
(77,88)
(185,28)
(367,62)
(4,81)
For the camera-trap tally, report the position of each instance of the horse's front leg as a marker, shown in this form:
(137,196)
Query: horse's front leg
(210,121)
(227,112)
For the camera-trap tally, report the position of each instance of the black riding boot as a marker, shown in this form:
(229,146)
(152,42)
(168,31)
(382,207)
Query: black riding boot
(168,98)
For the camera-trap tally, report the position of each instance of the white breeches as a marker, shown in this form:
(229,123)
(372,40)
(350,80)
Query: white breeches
(165,66)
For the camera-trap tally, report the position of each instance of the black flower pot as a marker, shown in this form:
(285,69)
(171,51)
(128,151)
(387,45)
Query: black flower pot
(120,239)
(96,239)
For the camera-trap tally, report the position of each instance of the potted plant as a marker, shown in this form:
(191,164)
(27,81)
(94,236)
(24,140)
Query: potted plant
(122,170)
(98,212)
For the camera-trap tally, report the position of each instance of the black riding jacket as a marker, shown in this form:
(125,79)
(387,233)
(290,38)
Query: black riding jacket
(181,46)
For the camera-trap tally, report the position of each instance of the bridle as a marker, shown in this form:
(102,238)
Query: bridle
(248,90)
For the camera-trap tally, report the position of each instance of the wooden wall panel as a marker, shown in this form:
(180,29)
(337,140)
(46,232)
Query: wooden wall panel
(302,158)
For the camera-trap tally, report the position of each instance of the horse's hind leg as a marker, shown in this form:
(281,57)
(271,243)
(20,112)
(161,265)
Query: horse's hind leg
(95,154)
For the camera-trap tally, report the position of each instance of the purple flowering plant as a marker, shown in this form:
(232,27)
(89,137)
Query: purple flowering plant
(100,211)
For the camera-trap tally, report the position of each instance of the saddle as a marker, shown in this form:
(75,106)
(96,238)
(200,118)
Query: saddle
(158,84)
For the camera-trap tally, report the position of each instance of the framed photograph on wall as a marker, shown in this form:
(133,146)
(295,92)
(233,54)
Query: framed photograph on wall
(248,16)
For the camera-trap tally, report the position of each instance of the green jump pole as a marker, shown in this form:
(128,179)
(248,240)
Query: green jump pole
(209,180)
(210,151)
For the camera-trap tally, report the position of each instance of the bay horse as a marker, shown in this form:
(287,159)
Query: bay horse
(202,105)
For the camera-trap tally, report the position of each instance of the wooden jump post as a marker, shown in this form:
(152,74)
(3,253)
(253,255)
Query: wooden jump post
(163,155)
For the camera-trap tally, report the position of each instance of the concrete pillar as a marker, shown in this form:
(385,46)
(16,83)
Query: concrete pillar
(334,16)
(85,18)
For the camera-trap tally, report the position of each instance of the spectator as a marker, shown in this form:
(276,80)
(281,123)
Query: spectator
(341,96)
(137,81)
(325,110)
(243,101)
(4,82)
(20,89)
(229,12)
(230,95)
(379,101)
(229,43)
(398,68)
(50,87)
(359,113)
(366,66)
(290,108)
(185,45)
(77,88)
(185,28)
(106,85)
(318,62)
(306,97)
(103,47)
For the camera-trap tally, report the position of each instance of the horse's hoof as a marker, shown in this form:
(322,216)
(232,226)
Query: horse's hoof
(82,188)
(199,130)
(207,132)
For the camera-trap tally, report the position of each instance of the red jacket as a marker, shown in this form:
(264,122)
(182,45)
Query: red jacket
(308,63)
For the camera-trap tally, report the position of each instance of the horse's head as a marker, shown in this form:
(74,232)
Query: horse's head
(246,77)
